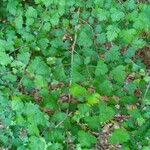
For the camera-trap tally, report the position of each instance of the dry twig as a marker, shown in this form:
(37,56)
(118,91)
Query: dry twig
(72,54)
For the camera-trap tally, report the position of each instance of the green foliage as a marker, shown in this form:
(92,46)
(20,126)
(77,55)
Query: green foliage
(113,54)
(119,136)
(112,32)
(93,99)
(101,68)
(119,73)
(86,139)
(77,90)
(70,67)
(106,113)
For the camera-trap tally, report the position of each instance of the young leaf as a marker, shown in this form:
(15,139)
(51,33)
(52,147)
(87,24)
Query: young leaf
(77,90)
(93,99)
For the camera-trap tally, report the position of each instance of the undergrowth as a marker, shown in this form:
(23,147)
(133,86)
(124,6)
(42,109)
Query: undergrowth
(68,68)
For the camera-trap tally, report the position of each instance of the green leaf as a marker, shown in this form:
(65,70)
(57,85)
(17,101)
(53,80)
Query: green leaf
(4,59)
(58,117)
(40,82)
(116,15)
(54,20)
(130,88)
(112,32)
(24,57)
(37,143)
(84,39)
(105,88)
(43,41)
(140,121)
(3,44)
(47,2)
(55,146)
(38,1)
(113,54)
(87,60)
(101,14)
(39,67)
(99,2)
(106,113)
(86,139)
(77,90)
(32,129)
(131,5)
(119,73)
(93,122)
(128,100)
(17,104)
(34,115)
(119,136)
(83,108)
(101,38)
(29,21)
(93,99)
(130,52)
(31,12)
(138,43)
(59,73)
(19,22)
(47,26)
(56,135)
(142,22)
(12,7)
(77,76)
(101,68)
(145,148)
(128,35)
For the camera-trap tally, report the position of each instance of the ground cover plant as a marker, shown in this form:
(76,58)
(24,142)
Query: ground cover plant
(74,74)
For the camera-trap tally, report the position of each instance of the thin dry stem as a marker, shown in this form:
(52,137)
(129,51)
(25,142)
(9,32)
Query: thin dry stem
(72,55)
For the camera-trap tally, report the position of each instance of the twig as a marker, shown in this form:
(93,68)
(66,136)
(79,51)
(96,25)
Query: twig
(63,120)
(17,49)
(87,24)
(84,21)
(42,23)
(147,89)
(90,76)
(1,126)
(120,1)
(73,48)
(72,56)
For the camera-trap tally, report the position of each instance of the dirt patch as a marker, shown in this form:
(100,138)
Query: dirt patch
(144,54)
